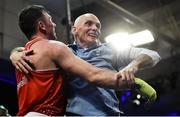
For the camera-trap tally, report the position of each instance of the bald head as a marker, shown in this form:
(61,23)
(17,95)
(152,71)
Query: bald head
(86,30)
(83,17)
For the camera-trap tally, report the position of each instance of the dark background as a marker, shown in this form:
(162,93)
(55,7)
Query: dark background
(162,17)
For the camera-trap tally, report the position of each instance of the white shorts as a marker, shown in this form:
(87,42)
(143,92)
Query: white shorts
(30,114)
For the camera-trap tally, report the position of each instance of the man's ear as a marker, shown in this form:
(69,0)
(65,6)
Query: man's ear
(41,25)
(73,30)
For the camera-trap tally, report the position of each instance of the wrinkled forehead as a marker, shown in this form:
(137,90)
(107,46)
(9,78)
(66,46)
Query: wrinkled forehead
(85,18)
(91,17)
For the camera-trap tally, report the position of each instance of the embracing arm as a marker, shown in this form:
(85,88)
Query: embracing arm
(19,59)
(142,61)
(17,49)
(138,58)
(70,63)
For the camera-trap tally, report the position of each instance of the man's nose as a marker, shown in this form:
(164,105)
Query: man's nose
(94,27)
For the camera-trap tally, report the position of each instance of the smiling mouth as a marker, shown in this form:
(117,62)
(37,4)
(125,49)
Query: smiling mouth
(93,35)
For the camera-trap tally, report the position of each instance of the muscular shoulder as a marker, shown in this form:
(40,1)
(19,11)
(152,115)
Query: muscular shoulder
(49,47)
(56,45)
(58,49)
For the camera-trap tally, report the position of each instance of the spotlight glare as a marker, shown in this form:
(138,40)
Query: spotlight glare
(137,102)
(141,38)
(138,96)
(123,40)
(119,40)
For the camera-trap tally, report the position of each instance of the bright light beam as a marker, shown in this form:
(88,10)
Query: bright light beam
(123,40)
(119,40)
(141,38)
